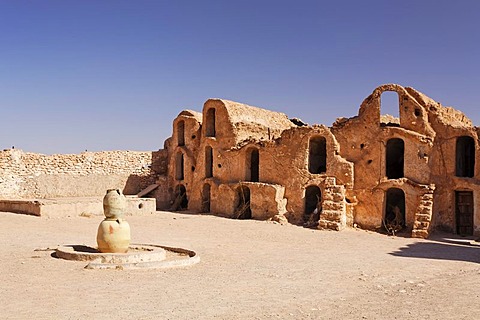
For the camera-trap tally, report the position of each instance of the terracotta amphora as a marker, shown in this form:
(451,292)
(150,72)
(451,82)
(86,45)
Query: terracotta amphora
(114,204)
(113,236)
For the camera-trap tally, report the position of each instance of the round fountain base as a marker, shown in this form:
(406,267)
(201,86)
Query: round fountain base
(139,256)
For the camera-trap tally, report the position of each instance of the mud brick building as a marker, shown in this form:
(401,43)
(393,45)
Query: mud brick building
(418,171)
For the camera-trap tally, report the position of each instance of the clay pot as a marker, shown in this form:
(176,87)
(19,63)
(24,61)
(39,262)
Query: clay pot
(114,204)
(113,236)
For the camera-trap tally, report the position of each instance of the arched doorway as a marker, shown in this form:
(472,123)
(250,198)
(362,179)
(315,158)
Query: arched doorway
(394,217)
(253,165)
(242,208)
(210,129)
(181,133)
(181,199)
(317,155)
(208,162)
(395,158)
(313,200)
(179,166)
(465,157)
(206,198)
(389,104)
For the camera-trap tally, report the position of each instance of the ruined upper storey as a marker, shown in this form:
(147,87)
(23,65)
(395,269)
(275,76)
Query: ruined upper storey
(230,123)
(417,112)
(361,170)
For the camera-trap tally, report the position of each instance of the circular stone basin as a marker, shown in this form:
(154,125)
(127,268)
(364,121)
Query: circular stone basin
(138,256)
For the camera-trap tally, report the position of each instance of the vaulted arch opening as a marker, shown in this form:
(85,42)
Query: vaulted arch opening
(206,198)
(181,133)
(395,154)
(390,105)
(179,166)
(242,207)
(253,165)
(317,155)
(313,203)
(181,199)
(208,162)
(465,157)
(394,216)
(210,130)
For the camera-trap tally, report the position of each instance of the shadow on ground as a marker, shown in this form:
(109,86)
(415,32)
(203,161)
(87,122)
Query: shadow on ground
(442,249)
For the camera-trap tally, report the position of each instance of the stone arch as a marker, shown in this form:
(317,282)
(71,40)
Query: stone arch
(465,157)
(394,158)
(317,155)
(390,104)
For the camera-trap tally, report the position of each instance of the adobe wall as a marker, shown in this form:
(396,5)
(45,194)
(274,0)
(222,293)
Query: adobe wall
(222,162)
(354,186)
(364,139)
(430,132)
(31,175)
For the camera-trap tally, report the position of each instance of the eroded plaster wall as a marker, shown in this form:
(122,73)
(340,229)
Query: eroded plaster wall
(264,150)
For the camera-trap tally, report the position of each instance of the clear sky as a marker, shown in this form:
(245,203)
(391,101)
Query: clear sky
(112,75)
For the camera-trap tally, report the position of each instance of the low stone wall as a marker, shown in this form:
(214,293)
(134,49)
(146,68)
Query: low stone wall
(72,207)
(31,175)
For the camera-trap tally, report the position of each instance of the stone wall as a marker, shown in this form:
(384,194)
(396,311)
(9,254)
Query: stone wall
(31,175)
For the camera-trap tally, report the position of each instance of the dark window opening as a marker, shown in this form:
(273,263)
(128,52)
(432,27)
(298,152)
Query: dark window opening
(313,204)
(242,208)
(208,162)
(395,158)
(181,133)
(465,157)
(179,164)
(389,104)
(206,198)
(181,199)
(394,219)
(317,156)
(418,113)
(210,123)
(253,165)
(464,212)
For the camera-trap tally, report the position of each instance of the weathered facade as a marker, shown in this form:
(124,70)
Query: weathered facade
(418,172)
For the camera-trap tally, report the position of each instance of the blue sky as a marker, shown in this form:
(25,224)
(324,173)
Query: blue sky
(112,75)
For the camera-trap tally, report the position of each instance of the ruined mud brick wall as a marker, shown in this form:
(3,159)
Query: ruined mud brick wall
(218,162)
(231,149)
(31,175)
(430,133)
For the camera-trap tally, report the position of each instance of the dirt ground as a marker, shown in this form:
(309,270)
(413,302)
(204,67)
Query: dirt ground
(248,270)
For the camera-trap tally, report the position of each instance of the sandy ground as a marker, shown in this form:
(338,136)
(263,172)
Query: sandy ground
(248,270)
